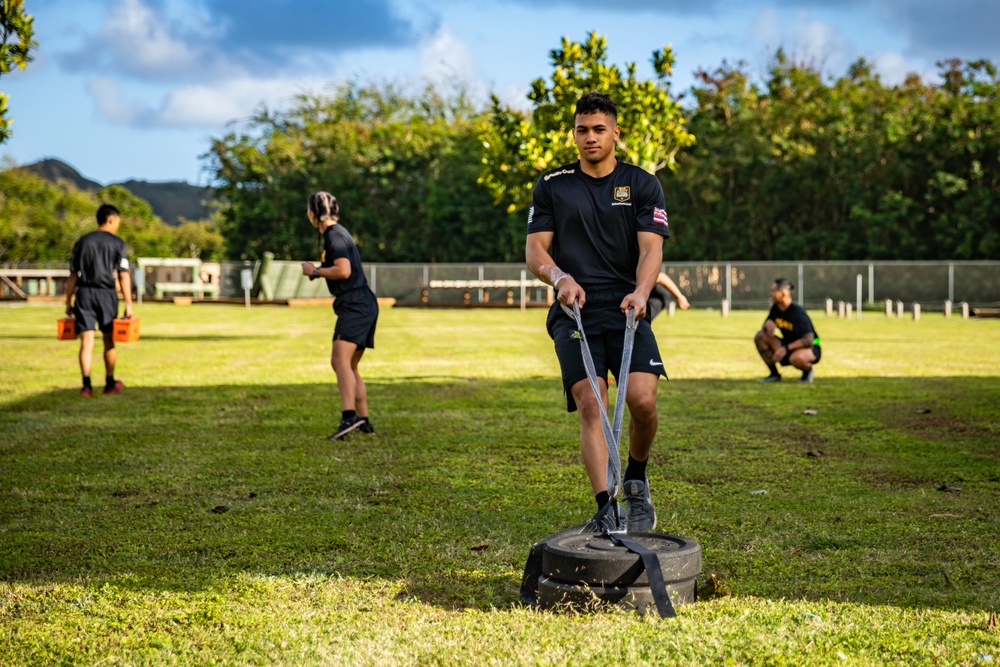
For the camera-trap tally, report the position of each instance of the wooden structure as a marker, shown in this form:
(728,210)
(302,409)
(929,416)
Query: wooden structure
(24,283)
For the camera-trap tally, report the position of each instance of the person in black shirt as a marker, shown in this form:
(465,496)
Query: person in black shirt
(96,258)
(595,233)
(356,308)
(798,344)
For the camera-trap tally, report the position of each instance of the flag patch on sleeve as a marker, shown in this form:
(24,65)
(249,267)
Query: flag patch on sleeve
(660,216)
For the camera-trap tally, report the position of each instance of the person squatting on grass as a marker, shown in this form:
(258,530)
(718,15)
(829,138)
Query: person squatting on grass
(92,266)
(355,305)
(595,233)
(798,345)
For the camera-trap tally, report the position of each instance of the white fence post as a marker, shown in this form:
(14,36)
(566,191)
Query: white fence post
(916,311)
(899,309)
(947,308)
(829,307)
(859,296)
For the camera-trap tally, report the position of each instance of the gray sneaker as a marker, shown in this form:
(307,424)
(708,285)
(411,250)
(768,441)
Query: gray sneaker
(807,376)
(770,378)
(641,515)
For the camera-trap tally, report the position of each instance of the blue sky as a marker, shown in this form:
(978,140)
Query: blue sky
(126,89)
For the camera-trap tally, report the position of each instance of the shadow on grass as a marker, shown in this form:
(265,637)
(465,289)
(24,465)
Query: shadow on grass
(180,487)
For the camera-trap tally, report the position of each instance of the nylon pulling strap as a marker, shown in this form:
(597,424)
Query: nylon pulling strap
(612,436)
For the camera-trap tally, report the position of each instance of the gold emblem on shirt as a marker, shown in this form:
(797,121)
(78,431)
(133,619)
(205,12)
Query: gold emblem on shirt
(623,193)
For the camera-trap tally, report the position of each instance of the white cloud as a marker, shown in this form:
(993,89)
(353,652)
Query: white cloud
(142,42)
(823,44)
(214,105)
(208,106)
(893,68)
(111,104)
(445,59)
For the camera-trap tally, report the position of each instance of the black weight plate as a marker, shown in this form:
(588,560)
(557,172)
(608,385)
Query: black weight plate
(591,558)
(556,595)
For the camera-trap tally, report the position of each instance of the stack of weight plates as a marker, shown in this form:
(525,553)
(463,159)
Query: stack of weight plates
(587,571)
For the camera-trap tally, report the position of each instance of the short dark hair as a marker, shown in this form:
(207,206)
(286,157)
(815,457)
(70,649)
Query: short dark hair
(594,102)
(105,213)
(784,284)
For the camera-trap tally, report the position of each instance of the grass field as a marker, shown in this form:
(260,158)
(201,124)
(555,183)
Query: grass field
(202,517)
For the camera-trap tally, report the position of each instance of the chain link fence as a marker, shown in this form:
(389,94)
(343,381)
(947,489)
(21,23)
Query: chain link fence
(706,284)
(744,285)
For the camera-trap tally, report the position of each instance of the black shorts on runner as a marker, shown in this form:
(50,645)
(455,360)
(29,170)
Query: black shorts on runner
(657,302)
(357,315)
(95,308)
(604,324)
(786,360)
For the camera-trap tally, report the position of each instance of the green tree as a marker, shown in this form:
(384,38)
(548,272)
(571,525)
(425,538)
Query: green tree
(39,220)
(803,166)
(520,146)
(16,31)
(403,168)
(201,239)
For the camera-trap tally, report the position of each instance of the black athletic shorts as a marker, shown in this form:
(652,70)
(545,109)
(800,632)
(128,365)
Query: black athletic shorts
(604,324)
(657,302)
(787,359)
(95,308)
(357,315)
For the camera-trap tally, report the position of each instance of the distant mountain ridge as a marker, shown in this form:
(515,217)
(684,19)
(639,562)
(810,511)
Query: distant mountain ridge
(171,201)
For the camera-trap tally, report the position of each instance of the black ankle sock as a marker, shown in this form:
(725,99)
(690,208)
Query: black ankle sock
(86,382)
(348,414)
(365,417)
(602,499)
(773,369)
(635,469)
(109,381)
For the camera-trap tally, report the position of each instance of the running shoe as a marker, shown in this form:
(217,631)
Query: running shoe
(641,515)
(87,392)
(117,388)
(346,426)
(808,375)
(367,427)
(770,378)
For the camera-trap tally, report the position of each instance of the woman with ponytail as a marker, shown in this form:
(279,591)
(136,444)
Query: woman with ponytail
(355,306)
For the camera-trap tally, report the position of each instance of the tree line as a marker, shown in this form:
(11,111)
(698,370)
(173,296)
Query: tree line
(41,220)
(795,164)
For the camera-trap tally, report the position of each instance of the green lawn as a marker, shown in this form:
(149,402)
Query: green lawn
(202,517)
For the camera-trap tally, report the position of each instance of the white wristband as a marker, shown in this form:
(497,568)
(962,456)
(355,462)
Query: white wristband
(556,283)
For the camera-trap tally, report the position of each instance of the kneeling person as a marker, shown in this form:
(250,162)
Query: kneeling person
(798,345)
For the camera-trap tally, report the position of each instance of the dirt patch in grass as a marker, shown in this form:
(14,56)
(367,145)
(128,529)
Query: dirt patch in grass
(925,422)
(896,480)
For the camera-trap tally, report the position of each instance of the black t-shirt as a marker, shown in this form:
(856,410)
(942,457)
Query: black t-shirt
(97,257)
(793,322)
(595,222)
(337,243)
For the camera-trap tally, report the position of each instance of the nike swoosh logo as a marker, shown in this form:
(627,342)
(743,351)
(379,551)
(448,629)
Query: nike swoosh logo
(655,363)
